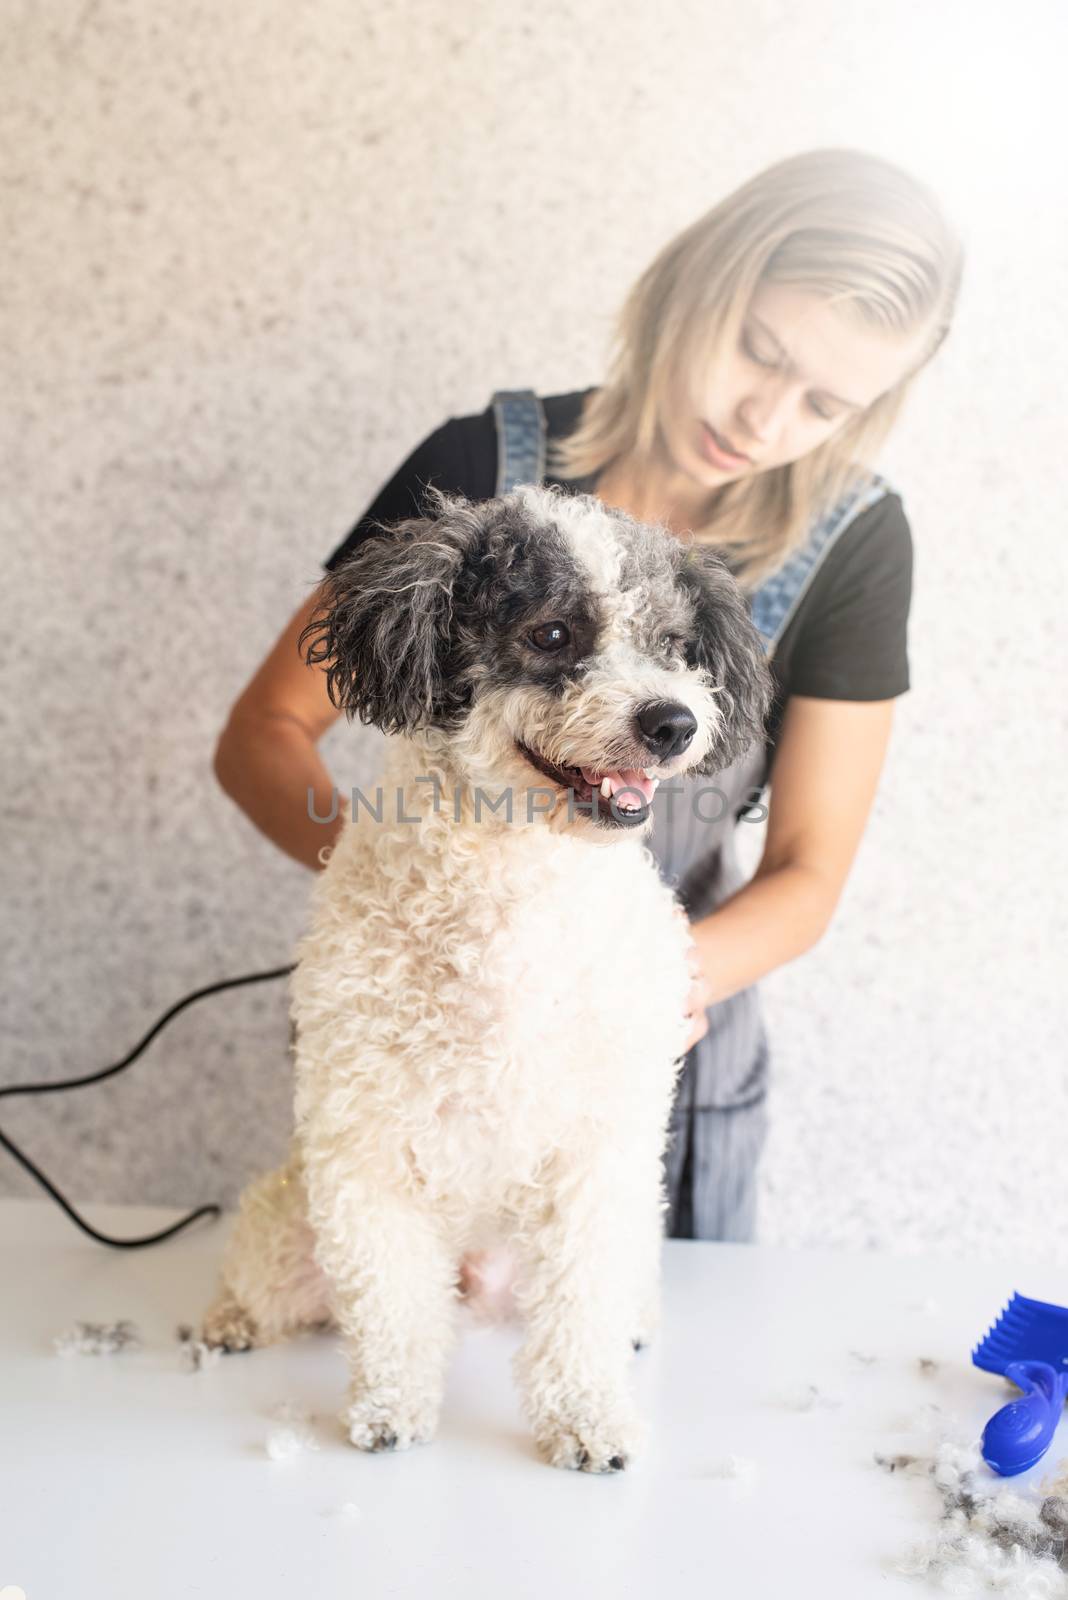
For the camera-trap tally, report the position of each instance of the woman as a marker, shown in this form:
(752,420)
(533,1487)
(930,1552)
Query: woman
(761,360)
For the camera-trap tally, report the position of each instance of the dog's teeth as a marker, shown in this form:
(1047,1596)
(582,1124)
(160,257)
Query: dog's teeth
(606,788)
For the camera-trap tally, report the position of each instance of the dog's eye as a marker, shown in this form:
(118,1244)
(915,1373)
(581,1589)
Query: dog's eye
(673,644)
(551,636)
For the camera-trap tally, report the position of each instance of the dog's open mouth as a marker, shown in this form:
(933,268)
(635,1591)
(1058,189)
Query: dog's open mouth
(619,795)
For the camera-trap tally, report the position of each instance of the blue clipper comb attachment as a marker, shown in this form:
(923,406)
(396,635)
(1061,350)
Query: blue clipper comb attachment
(1028,1344)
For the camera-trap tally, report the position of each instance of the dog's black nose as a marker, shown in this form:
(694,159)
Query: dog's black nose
(666,726)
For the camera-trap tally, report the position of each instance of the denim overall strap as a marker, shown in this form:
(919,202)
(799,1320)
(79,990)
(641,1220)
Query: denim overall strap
(520,438)
(777,599)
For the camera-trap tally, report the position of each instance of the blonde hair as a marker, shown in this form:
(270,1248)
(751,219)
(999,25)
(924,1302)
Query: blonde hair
(841,223)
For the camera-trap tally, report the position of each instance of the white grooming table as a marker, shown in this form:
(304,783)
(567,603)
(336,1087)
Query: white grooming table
(124,1476)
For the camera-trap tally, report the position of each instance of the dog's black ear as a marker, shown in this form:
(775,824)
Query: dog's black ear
(726,645)
(385,627)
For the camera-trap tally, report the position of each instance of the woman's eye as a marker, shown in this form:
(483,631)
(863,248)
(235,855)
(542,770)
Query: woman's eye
(761,361)
(551,636)
(772,362)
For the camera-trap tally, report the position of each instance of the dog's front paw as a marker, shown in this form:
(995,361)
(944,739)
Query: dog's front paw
(644,1334)
(374,1425)
(228,1326)
(587,1442)
(647,1324)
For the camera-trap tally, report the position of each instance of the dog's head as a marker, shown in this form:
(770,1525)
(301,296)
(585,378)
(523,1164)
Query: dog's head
(550,642)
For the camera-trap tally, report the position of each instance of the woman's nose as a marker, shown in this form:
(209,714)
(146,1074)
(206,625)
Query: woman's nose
(764,417)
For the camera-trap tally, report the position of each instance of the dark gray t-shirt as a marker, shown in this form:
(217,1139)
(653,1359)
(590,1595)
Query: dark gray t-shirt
(847,639)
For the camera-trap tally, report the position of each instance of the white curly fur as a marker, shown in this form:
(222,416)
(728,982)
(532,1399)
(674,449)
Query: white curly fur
(489,1025)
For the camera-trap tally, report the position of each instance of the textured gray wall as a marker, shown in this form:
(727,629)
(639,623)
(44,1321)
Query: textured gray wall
(253,252)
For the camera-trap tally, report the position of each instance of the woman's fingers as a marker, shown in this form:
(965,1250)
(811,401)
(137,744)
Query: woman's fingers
(698,1029)
(699,997)
(697,1000)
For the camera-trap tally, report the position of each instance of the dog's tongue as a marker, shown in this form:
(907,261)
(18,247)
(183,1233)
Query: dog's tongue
(623,778)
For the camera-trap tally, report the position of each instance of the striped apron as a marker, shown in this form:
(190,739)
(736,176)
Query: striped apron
(719,1116)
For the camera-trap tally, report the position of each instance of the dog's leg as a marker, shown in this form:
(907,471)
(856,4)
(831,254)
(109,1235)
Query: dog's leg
(271,1285)
(583,1292)
(647,1245)
(394,1293)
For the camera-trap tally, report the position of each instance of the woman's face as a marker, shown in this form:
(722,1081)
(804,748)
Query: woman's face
(802,369)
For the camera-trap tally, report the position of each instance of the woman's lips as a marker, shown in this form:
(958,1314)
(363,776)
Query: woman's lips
(718,454)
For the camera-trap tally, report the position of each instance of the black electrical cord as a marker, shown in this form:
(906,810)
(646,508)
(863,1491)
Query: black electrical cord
(98,1077)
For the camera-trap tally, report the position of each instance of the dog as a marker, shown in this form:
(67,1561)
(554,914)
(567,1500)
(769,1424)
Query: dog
(489,1002)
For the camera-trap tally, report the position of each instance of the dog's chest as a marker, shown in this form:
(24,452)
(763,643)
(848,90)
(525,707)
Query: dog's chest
(590,967)
(583,985)
(482,1000)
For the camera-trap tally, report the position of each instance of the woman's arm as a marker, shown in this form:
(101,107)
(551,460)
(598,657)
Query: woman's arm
(267,756)
(827,765)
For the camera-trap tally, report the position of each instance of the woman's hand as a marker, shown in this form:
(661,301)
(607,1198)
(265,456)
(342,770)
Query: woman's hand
(700,995)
